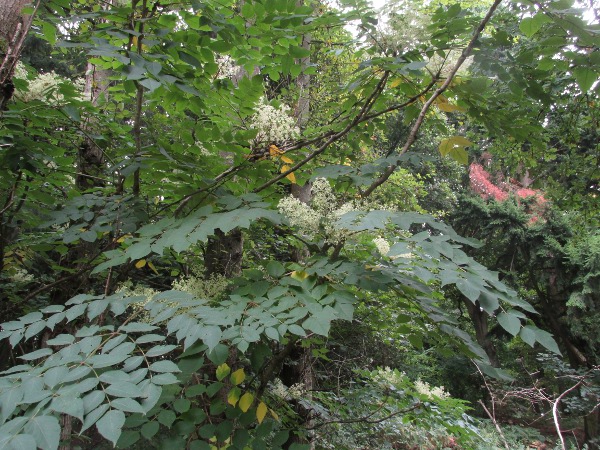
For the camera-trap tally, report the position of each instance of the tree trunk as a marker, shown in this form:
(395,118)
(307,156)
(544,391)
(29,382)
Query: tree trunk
(480,323)
(223,254)
(13,30)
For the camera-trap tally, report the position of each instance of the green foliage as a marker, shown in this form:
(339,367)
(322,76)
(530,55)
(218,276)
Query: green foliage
(175,164)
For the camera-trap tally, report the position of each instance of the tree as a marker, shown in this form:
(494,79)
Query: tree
(119,341)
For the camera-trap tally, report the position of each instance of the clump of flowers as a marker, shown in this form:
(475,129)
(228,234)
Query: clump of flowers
(195,284)
(294,392)
(320,216)
(424,388)
(44,87)
(273,125)
(383,246)
(227,67)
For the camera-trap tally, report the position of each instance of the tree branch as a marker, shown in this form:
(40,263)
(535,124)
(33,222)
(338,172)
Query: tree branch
(412,137)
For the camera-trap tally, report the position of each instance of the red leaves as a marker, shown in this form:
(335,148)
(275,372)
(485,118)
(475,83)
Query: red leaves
(486,189)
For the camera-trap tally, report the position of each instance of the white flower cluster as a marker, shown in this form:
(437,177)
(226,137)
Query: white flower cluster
(424,388)
(294,392)
(300,215)
(21,276)
(43,87)
(227,67)
(321,215)
(387,375)
(200,288)
(274,125)
(382,245)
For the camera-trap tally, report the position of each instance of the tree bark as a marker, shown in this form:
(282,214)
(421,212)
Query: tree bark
(14,26)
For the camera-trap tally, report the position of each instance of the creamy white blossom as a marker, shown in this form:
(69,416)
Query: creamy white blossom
(274,125)
(44,87)
(300,215)
(294,392)
(382,245)
(424,388)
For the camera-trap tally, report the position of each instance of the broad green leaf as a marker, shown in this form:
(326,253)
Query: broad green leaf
(585,78)
(509,322)
(546,339)
(149,429)
(124,389)
(110,425)
(21,442)
(317,324)
(531,25)
(164,366)
(45,430)
(70,405)
(127,405)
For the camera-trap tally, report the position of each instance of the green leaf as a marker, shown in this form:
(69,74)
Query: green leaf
(275,269)
(45,430)
(127,405)
(546,339)
(164,366)
(509,322)
(149,429)
(22,442)
(110,425)
(182,405)
(531,25)
(585,78)
(166,418)
(318,325)
(70,405)
(124,389)
(36,354)
(93,416)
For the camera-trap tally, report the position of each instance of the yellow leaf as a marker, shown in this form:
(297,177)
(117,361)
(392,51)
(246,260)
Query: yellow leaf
(141,263)
(449,144)
(299,275)
(246,401)
(152,267)
(222,371)
(274,150)
(285,159)
(285,168)
(233,396)
(274,414)
(261,412)
(237,377)
(396,83)
(447,107)
(291,177)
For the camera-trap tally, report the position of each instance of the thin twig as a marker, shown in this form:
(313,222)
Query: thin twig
(412,137)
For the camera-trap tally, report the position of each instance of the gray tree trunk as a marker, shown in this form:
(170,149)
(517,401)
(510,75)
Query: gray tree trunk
(13,29)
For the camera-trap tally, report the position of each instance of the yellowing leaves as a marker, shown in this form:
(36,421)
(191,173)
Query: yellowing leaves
(233,396)
(222,371)
(237,377)
(289,176)
(246,401)
(274,151)
(261,412)
(141,263)
(444,105)
(455,148)
(396,82)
